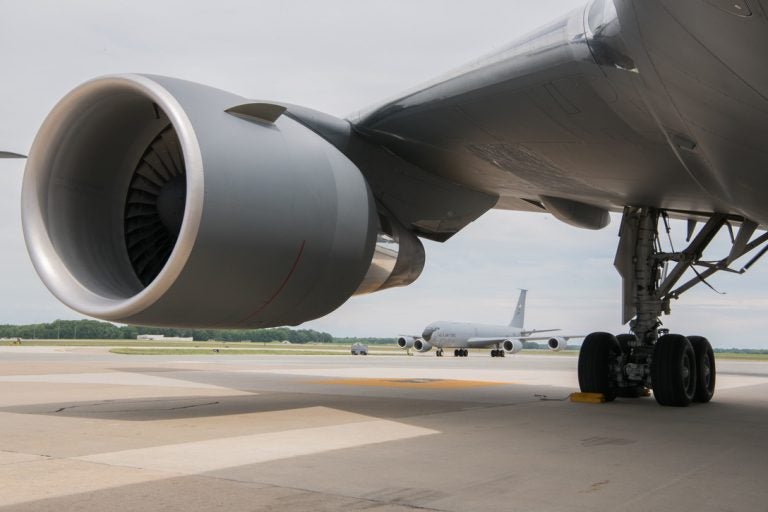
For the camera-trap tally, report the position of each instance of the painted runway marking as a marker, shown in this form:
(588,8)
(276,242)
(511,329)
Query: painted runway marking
(413,383)
(108,378)
(216,454)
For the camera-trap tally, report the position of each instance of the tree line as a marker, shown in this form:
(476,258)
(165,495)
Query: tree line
(95,330)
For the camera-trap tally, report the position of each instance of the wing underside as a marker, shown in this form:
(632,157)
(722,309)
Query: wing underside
(575,118)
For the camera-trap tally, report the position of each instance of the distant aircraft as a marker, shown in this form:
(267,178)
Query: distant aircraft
(463,336)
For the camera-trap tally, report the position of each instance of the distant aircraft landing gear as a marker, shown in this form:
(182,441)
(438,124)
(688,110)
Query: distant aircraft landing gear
(679,369)
(439,352)
(460,352)
(497,353)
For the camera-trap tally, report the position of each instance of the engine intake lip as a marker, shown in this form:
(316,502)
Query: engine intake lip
(54,237)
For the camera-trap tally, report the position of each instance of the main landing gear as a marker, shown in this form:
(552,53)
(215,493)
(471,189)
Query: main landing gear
(460,352)
(497,352)
(680,369)
(439,352)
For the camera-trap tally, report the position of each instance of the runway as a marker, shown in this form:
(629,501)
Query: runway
(83,429)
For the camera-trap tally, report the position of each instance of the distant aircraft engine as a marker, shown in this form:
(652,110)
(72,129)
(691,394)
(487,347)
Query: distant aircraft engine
(157,201)
(557,344)
(405,342)
(512,346)
(421,346)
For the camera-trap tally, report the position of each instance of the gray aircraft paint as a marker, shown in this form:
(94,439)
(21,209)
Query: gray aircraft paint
(619,103)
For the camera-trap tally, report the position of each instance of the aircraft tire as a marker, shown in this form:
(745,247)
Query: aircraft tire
(456,353)
(594,362)
(673,371)
(705,369)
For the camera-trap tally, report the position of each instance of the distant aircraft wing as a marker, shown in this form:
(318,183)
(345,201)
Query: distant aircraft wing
(539,338)
(8,154)
(535,331)
(489,342)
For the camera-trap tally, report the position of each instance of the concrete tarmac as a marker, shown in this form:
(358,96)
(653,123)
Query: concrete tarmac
(83,429)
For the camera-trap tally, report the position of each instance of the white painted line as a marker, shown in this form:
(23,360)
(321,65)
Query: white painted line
(108,378)
(204,456)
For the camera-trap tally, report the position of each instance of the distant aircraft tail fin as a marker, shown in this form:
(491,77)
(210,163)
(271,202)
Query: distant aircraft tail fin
(519,318)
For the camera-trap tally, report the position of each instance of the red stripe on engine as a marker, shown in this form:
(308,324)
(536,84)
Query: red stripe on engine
(280,288)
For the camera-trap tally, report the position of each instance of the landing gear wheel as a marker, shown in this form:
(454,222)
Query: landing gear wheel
(673,371)
(456,353)
(494,353)
(595,356)
(705,369)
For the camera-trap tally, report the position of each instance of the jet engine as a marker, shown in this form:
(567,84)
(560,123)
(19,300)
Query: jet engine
(405,342)
(156,201)
(421,346)
(556,344)
(512,346)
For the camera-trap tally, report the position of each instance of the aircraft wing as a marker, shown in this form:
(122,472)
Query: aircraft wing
(486,342)
(8,154)
(536,331)
(490,342)
(539,338)
(602,108)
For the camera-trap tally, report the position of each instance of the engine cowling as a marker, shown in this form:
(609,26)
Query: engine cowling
(420,345)
(512,346)
(405,342)
(556,344)
(144,201)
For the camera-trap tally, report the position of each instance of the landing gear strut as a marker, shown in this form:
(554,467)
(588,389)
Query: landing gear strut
(679,369)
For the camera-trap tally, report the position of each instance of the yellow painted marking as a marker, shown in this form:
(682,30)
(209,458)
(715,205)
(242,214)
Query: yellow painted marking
(588,398)
(413,383)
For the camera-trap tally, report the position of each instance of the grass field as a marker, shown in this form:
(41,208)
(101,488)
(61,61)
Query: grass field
(186,344)
(223,351)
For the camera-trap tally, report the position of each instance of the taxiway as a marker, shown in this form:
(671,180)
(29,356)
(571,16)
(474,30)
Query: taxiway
(83,429)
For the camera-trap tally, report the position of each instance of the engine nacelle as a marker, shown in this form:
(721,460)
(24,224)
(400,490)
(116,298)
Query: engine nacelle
(156,201)
(556,344)
(420,345)
(512,346)
(406,342)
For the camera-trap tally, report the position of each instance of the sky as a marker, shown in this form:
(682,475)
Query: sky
(339,57)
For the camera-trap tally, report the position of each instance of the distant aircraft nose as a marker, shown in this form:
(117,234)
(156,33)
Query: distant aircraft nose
(427,334)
